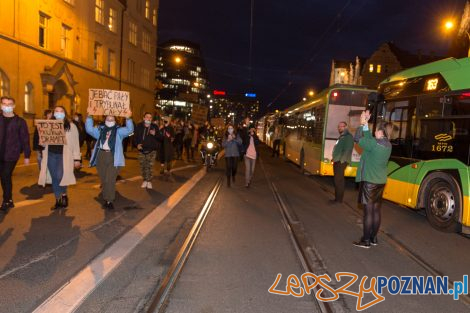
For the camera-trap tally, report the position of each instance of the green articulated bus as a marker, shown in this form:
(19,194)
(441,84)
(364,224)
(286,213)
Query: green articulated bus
(429,109)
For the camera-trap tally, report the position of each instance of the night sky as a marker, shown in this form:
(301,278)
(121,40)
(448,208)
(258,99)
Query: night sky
(295,41)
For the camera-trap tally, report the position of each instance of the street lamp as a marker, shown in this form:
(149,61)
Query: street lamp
(177,60)
(449,25)
(311,93)
(304,99)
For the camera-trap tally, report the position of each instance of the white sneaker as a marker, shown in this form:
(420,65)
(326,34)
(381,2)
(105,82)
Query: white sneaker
(144,184)
(149,185)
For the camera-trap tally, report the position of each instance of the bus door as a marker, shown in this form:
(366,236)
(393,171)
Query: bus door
(344,106)
(400,115)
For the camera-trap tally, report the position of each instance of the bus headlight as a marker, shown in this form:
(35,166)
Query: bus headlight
(210,145)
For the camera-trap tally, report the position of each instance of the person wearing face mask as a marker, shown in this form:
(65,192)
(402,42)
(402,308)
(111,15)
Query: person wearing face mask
(14,139)
(231,143)
(146,140)
(108,154)
(250,155)
(61,160)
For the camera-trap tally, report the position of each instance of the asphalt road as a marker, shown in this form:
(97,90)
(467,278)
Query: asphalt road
(40,250)
(242,246)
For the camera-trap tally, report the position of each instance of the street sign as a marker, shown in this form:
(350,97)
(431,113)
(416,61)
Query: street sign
(108,102)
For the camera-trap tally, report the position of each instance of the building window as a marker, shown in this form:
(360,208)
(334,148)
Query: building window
(130,71)
(154,17)
(71,2)
(98,57)
(379,68)
(28,98)
(65,40)
(43,29)
(112,23)
(371,68)
(146,44)
(99,9)
(145,78)
(4,84)
(147,9)
(111,63)
(133,33)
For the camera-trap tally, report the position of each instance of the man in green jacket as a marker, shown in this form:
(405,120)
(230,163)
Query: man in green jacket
(372,176)
(341,159)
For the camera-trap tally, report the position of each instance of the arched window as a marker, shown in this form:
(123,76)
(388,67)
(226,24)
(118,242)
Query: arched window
(4,84)
(28,98)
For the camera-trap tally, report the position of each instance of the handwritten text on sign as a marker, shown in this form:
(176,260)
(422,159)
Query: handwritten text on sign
(108,102)
(199,114)
(51,132)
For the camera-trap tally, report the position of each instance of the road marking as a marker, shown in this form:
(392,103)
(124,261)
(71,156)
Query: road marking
(27,202)
(136,178)
(72,294)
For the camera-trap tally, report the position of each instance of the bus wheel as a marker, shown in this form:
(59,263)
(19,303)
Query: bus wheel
(443,202)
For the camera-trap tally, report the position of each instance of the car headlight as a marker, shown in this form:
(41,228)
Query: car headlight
(210,145)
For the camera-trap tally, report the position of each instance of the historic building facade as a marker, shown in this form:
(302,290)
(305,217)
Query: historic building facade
(53,51)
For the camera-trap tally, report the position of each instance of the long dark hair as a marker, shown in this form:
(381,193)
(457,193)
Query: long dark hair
(234,131)
(66,118)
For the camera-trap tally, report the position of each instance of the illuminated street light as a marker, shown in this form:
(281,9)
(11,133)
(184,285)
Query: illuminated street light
(304,99)
(311,93)
(449,25)
(177,60)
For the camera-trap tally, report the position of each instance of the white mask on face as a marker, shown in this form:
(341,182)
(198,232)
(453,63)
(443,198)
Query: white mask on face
(7,108)
(110,123)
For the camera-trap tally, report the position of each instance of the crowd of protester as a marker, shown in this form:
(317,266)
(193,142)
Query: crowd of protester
(106,140)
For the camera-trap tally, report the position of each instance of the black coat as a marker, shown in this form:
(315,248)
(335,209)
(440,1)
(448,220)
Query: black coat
(166,136)
(143,137)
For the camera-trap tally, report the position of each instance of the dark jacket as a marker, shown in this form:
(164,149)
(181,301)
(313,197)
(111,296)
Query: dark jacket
(246,144)
(343,148)
(374,158)
(145,138)
(166,136)
(17,139)
(36,146)
(81,132)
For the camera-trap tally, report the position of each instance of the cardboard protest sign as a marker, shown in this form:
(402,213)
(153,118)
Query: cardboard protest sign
(51,132)
(199,114)
(218,122)
(108,102)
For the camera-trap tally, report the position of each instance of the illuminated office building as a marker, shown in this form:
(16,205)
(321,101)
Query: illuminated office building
(182,77)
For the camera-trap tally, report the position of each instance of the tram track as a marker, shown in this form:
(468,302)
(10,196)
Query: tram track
(308,255)
(401,248)
(158,300)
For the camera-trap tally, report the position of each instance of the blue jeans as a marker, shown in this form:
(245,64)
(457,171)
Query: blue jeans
(55,164)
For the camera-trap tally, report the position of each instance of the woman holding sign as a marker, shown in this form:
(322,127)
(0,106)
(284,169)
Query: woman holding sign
(108,154)
(59,157)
